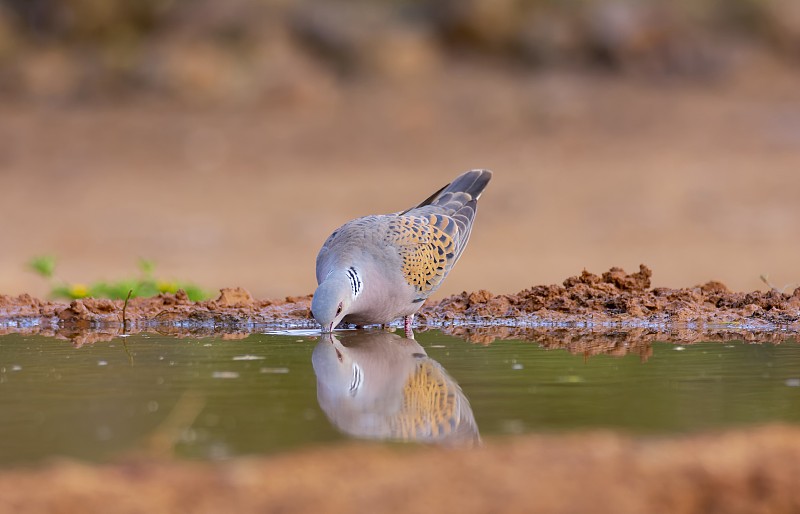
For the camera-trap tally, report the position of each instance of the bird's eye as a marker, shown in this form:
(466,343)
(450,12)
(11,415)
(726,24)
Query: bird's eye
(339,309)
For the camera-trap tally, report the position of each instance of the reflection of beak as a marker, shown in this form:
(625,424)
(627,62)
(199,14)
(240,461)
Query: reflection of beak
(328,337)
(330,329)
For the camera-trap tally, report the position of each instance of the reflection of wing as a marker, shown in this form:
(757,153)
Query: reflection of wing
(378,385)
(434,407)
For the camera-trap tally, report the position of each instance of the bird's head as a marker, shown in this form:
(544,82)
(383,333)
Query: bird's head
(332,301)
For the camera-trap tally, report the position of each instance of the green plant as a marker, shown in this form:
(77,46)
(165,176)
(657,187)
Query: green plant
(146,284)
(44,265)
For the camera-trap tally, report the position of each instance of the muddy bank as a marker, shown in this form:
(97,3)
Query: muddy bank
(739,471)
(232,307)
(615,299)
(616,296)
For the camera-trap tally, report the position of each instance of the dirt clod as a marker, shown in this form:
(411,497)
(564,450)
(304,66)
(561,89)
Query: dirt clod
(234,297)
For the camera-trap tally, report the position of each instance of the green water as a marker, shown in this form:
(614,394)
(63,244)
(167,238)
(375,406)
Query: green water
(215,398)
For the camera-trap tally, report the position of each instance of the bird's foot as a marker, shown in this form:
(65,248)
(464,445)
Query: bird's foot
(407,326)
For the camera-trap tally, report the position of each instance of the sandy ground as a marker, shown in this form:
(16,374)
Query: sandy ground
(742,471)
(698,179)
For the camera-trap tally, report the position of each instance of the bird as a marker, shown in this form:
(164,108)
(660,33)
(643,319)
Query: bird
(378,268)
(374,384)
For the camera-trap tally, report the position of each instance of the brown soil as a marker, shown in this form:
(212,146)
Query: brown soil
(628,299)
(735,472)
(609,313)
(614,296)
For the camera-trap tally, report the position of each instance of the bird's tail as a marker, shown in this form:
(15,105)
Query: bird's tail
(457,201)
(463,192)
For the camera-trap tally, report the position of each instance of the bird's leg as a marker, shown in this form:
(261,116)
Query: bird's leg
(407,326)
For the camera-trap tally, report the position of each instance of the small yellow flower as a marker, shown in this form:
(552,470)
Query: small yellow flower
(164,286)
(78,290)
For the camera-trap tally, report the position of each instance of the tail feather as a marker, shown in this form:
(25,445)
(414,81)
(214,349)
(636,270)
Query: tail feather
(464,190)
(472,183)
(458,200)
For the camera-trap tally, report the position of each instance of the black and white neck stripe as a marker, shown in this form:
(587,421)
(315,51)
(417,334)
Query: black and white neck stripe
(355,281)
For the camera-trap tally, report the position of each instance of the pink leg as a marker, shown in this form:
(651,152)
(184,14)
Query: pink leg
(407,326)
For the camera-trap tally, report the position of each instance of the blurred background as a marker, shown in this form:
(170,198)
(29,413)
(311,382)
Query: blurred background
(224,141)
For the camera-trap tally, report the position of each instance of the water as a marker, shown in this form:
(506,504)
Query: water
(213,398)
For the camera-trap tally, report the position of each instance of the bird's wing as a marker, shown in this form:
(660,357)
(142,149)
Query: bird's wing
(434,408)
(428,246)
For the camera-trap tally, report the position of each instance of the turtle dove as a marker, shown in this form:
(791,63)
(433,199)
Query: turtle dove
(379,268)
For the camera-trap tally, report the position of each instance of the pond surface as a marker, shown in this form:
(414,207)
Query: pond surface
(213,398)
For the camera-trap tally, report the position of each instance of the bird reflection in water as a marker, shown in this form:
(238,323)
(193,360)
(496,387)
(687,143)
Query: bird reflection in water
(378,385)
